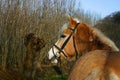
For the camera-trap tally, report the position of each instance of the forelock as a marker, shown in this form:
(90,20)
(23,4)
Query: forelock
(65,26)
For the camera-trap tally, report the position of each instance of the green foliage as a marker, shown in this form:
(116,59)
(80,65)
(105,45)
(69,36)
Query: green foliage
(56,77)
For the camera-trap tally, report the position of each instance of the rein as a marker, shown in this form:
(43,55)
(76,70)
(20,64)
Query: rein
(64,44)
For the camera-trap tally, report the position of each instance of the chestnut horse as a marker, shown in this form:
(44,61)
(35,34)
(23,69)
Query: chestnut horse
(79,38)
(100,56)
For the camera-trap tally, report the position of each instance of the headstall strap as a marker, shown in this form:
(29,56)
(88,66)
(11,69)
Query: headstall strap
(73,30)
(61,49)
(76,51)
(74,42)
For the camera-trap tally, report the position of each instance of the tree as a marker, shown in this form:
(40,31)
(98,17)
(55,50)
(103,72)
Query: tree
(110,25)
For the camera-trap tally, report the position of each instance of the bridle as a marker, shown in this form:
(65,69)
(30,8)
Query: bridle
(64,44)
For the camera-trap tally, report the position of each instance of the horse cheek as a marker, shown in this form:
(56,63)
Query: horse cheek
(69,49)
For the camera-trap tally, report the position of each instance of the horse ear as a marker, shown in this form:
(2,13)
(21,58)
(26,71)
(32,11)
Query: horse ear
(72,22)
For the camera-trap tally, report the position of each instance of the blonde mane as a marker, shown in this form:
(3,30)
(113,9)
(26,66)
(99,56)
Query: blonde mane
(105,39)
(65,26)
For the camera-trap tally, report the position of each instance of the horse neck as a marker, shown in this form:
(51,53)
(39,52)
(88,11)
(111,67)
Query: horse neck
(102,42)
(97,44)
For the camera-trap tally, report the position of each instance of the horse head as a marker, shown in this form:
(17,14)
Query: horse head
(78,38)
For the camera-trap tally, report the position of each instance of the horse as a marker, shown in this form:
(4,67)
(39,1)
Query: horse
(99,58)
(97,65)
(78,38)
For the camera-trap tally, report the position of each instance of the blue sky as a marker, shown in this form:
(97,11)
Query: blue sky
(101,7)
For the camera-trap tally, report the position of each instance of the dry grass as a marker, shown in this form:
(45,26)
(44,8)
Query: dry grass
(42,17)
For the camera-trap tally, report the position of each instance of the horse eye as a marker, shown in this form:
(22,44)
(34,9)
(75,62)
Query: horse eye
(63,36)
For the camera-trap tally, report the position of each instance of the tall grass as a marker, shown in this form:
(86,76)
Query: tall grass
(42,17)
